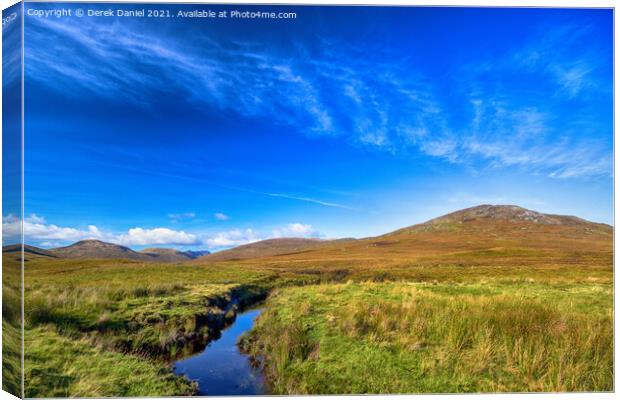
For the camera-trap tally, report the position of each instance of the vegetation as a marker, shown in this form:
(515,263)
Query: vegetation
(59,366)
(436,338)
(11,324)
(454,305)
(89,323)
(490,299)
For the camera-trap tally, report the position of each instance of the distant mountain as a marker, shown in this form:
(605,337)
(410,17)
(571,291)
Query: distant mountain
(486,232)
(197,253)
(490,235)
(172,255)
(265,248)
(98,249)
(30,252)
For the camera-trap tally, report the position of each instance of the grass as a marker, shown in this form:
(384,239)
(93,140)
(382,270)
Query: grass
(57,366)
(11,326)
(417,311)
(443,338)
(111,317)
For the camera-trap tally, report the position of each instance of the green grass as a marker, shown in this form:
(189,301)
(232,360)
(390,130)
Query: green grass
(122,314)
(11,358)
(11,326)
(379,319)
(57,366)
(443,338)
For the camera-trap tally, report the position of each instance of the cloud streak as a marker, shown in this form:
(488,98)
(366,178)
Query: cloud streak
(174,218)
(385,106)
(309,200)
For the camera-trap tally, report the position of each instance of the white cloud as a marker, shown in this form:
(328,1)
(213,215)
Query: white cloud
(221,217)
(36,231)
(159,236)
(232,238)
(11,227)
(295,230)
(36,219)
(239,237)
(36,228)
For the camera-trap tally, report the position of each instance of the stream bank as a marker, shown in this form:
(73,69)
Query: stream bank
(222,369)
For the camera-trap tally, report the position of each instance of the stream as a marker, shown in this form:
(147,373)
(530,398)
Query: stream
(221,369)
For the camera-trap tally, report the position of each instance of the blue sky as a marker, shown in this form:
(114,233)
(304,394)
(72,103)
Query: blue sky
(11,118)
(344,122)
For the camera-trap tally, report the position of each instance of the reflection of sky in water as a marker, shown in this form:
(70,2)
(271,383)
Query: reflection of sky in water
(221,369)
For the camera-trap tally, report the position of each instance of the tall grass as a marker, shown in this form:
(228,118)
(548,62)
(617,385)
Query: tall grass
(530,344)
(529,323)
(83,370)
(408,338)
(126,313)
(11,325)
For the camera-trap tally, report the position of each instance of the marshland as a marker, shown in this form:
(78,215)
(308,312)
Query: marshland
(471,302)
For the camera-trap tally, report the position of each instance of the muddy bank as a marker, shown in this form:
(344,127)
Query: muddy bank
(220,314)
(193,333)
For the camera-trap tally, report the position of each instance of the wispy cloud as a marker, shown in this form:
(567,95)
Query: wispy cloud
(221,216)
(11,44)
(511,109)
(309,200)
(574,78)
(524,115)
(174,218)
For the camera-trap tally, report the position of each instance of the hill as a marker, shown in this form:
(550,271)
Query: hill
(172,255)
(491,298)
(266,248)
(197,253)
(31,252)
(98,250)
(504,213)
(478,233)
(483,235)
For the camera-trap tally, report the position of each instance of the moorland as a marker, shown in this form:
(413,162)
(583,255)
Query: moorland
(486,299)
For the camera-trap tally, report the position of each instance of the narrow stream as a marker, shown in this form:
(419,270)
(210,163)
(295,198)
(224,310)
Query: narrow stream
(222,369)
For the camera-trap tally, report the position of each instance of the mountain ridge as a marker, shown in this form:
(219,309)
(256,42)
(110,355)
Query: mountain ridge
(265,248)
(474,226)
(92,248)
(173,255)
(97,249)
(497,214)
(509,212)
